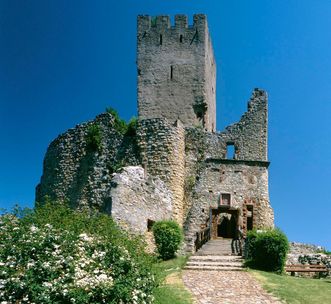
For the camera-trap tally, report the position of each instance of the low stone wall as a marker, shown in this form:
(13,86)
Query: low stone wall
(308,254)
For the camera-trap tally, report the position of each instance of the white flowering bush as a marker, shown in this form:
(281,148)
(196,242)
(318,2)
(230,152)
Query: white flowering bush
(40,263)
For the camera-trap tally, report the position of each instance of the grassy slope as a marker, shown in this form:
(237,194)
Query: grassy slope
(172,290)
(296,290)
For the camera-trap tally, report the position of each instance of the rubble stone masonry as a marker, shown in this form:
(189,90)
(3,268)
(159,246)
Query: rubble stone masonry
(175,165)
(176,71)
(162,148)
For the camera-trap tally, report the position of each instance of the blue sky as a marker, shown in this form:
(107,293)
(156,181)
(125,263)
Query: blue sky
(63,62)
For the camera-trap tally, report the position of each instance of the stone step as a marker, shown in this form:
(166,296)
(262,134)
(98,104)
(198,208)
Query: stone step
(215,249)
(207,253)
(216,258)
(217,245)
(211,252)
(215,264)
(215,268)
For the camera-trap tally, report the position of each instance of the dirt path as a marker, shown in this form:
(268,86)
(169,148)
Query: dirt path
(216,287)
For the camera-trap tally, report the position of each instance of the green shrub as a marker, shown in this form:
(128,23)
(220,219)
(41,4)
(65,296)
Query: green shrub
(57,255)
(168,236)
(132,127)
(119,123)
(93,137)
(266,250)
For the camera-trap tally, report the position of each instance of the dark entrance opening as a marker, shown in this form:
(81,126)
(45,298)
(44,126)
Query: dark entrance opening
(223,222)
(249,217)
(227,227)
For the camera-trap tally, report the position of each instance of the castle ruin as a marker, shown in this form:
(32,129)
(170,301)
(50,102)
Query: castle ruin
(176,165)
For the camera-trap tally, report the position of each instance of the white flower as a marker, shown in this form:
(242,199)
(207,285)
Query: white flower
(33,228)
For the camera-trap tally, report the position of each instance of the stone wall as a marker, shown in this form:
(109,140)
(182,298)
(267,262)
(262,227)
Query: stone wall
(176,71)
(245,181)
(73,173)
(244,178)
(162,148)
(137,199)
(308,254)
(186,167)
(250,135)
(87,179)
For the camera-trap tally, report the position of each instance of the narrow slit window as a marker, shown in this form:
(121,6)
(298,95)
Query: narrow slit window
(171,72)
(181,38)
(230,151)
(161,39)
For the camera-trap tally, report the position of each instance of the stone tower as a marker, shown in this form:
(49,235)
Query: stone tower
(176,71)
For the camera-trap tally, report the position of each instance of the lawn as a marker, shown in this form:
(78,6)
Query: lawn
(172,289)
(295,290)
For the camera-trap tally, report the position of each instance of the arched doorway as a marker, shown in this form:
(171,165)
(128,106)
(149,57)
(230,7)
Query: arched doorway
(224,223)
(227,226)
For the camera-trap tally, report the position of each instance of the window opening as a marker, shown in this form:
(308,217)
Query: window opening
(161,39)
(171,72)
(181,38)
(230,151)
(249,217)
(225,199)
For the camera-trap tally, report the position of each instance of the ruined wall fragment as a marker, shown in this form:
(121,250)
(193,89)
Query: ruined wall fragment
(74,173)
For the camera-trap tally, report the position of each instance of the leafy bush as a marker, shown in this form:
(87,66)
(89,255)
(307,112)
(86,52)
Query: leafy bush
(132,127)
(57,255)
(266,250)
(119,123)
(93,137)
(168,236)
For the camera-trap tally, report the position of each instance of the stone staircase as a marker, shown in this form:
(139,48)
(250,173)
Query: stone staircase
(215,255)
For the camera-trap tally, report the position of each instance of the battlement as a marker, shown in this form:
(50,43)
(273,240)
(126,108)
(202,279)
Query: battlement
(146,22)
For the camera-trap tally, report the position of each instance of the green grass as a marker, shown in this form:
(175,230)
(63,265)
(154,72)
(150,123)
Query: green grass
(295,290)
(172,289)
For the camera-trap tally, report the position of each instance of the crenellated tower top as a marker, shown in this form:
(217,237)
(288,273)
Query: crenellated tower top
(176,70)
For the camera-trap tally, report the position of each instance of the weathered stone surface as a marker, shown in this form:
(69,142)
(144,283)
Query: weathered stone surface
(74,173)
(162,147)
(136,199)
(237,287)
(244,178)
(187,173)
(176,71)
(308,254)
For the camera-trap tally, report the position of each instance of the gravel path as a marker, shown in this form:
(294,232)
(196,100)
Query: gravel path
(225,287)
